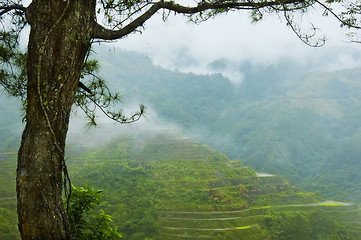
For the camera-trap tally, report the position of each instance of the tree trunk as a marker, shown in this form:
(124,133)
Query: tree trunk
(59,40)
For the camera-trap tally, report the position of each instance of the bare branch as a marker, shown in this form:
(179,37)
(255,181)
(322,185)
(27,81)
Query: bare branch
(101,32)
(305,38)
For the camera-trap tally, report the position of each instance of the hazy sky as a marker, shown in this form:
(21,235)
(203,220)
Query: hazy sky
(178,44)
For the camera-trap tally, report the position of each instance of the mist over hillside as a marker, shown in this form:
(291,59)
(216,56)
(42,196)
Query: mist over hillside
(10,123)
(294,121)
(286,118)
(162,185)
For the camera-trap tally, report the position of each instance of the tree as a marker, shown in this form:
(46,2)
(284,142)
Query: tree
(46,77)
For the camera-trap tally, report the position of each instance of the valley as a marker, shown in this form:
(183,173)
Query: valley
(282,160)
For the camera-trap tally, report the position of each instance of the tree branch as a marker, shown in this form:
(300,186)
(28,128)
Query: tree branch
(85,88)
(101,32)
(336,16)
(117,117)
(305,38)
(5,9)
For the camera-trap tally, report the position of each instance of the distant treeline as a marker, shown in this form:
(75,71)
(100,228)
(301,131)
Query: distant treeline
(285,120)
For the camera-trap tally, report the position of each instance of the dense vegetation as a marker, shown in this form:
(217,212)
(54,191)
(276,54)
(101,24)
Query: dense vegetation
(8,217)
(84,224)
(165,186)
(291,121)
(168,187)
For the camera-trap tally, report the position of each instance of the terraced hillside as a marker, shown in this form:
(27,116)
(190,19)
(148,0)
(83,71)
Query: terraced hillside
(167,187)
(195,192)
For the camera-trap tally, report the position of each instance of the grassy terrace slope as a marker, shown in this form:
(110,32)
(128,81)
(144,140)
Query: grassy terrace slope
(8,217)
(168,187)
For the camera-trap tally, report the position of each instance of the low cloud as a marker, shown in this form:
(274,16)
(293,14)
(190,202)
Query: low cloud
(180,45)
(106,130)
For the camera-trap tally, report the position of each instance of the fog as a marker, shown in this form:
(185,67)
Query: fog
(106,130)
(178,44)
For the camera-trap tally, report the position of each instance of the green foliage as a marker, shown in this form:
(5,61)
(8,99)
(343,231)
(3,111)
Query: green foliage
(303,126)
(8,214)
(8,219)
(284,226)
(100,229)
(128,193)
(315,225)
(95,96)
(12,60)
(12,66)
(83,200)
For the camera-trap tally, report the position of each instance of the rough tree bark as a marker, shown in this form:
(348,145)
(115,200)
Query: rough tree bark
(60,37)
(58,43)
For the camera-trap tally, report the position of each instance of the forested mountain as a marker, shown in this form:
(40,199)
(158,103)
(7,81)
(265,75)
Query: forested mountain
(283,118)
(302,125)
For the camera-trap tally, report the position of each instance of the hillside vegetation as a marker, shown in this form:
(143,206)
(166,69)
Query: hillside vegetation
(10,130)
(165,186)
(290,121)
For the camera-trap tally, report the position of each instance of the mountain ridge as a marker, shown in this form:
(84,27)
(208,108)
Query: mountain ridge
(287,121)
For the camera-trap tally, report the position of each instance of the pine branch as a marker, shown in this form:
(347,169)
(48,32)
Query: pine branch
(101,32)
(340,19)
(85,88)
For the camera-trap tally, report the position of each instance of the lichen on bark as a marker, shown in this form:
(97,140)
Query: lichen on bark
(54,50)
